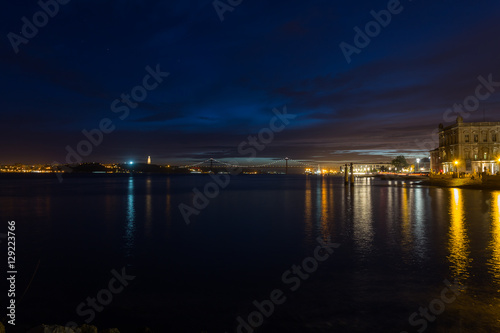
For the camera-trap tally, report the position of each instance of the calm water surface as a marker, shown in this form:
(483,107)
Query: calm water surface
(398,243)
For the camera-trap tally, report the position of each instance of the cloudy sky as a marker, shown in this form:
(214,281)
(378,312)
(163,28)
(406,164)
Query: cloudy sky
(226,77)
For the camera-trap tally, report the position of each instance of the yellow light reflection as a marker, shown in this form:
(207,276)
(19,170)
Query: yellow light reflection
(458,246)
(494,261)
(406,223)
(325,209)
(308,210)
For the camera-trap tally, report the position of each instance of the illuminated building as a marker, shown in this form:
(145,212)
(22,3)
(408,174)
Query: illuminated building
(364,168)
(467,147)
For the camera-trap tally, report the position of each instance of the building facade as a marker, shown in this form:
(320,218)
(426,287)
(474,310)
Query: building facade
(423,165)
(372,167)
(435,161)
(467,147)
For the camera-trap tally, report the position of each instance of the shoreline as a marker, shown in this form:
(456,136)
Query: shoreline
(487,183)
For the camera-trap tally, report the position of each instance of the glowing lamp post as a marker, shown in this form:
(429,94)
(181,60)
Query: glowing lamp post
(418,165)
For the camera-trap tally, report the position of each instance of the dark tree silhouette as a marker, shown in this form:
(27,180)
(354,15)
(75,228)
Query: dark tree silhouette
(399,162)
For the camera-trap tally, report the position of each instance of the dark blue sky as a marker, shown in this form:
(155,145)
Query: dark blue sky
(227,76)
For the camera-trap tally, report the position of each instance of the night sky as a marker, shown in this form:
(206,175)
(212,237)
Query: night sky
(226,77)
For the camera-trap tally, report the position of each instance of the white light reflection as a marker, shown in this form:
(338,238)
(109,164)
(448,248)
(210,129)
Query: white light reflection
(419,223)
(149,208)
(130,227)
(363,218)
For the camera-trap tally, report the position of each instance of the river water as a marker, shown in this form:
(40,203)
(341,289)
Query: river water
(404,257)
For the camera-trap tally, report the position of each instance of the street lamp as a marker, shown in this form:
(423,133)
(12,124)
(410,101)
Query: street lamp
(418,164)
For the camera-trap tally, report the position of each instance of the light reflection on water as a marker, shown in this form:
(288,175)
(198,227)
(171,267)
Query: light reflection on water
(362,208)
(149,206)
(420,240)
(426,227)
(308,227)
(406,221)
(421,233)
(328,204)
(458,245)
(494,247)
(130,228)
(326,209)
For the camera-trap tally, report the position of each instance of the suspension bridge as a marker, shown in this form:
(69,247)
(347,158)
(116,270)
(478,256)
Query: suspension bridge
(212,164)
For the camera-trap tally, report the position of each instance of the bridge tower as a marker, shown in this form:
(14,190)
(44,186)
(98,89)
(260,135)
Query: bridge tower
(286,165)
(211,164)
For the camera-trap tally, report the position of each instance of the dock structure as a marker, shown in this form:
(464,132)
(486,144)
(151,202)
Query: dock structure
(352,174)
(346,174)
(348,168)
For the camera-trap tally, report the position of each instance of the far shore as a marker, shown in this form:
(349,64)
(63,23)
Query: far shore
(486,182)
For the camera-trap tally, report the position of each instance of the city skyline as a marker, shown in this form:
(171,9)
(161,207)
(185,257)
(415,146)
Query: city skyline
(208,84)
